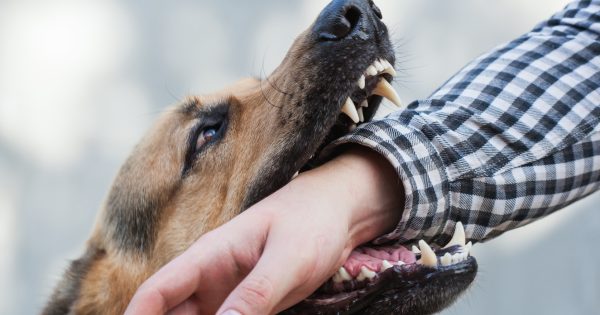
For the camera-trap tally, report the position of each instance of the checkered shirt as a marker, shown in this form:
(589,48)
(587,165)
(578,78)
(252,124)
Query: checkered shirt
(511,138)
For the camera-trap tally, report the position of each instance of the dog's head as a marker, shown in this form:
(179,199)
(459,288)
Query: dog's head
(210,158)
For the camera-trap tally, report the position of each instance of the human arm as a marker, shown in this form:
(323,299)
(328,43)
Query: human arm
(509,139)
(280,250)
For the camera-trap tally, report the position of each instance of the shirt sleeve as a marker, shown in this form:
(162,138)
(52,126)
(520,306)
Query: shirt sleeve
(511,138)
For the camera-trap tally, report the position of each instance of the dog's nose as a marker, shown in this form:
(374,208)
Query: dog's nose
(341,17)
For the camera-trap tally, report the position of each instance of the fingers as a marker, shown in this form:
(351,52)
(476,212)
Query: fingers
(170,286)
(282,269)
(208,260)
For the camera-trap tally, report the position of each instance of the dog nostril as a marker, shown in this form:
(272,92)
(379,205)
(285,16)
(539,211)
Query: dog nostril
(341,25)
(352,15)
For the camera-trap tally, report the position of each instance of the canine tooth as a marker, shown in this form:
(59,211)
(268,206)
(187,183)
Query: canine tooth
(385,89)
(371,70)
(416,250)
(361,82)
(350,110)
(361,116)
(459,236)
(365,273)
(428,257)
(364,103)
(295,174)
(378,66)
(344,275)
(400,263)
(446,260)
(385,265)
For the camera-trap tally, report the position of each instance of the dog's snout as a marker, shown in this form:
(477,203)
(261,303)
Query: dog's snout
(341,17)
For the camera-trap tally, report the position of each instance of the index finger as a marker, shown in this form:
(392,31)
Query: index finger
(170,286)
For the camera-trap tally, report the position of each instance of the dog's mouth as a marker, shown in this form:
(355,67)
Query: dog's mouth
(396,280)
(374,279)
(361,104)
(388,279)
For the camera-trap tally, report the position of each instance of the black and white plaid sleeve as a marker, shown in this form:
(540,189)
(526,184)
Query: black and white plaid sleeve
(511,138)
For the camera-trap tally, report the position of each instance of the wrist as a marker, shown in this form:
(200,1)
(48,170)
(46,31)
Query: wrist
(365,189)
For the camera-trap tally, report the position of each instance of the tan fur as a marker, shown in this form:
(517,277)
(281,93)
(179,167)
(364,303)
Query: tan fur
(207,198)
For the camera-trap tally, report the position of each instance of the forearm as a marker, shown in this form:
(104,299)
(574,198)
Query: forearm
(491,146)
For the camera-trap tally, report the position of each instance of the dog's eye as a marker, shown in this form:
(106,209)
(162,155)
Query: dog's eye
(210,127)
(206,135)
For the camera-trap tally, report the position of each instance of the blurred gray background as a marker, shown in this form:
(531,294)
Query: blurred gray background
(80,81)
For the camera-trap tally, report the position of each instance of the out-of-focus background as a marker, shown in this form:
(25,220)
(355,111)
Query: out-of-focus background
(80,81)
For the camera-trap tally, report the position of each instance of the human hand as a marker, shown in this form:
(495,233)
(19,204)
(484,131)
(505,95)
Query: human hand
(282,249)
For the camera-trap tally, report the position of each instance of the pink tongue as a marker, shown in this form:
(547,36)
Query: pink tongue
(372,258)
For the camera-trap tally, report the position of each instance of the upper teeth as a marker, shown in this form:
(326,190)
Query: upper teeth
(350,110)
(383,88)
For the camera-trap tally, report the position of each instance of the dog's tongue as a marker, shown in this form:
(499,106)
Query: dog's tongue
(373,258)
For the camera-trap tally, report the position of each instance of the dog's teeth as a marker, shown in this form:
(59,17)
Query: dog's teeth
(371,70)
(459,236)
(365,273)
(428,257)
(343,274)
(456,258)
(446,260)
(415,249)
(464,255)
(336,278)
(295,174)
(378,66)
(385,89)
(385,265)
(364,103)
(400,263)
(350,110)
(361,82)
(361,116)
(468,247)
(389,68)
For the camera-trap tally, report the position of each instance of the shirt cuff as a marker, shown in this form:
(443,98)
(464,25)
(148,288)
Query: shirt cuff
(420,169)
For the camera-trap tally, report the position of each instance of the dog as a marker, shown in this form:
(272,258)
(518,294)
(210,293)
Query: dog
(211,157)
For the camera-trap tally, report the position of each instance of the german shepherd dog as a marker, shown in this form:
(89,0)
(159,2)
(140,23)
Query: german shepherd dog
(211,157)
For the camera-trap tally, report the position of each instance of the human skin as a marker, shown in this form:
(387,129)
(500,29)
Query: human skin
(283,248)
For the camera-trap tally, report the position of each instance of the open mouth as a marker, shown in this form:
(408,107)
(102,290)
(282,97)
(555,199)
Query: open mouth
(371,86)
(388,279)
(395,280)
(361,104)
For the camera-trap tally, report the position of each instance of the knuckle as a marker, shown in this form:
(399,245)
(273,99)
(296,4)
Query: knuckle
(257,293)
